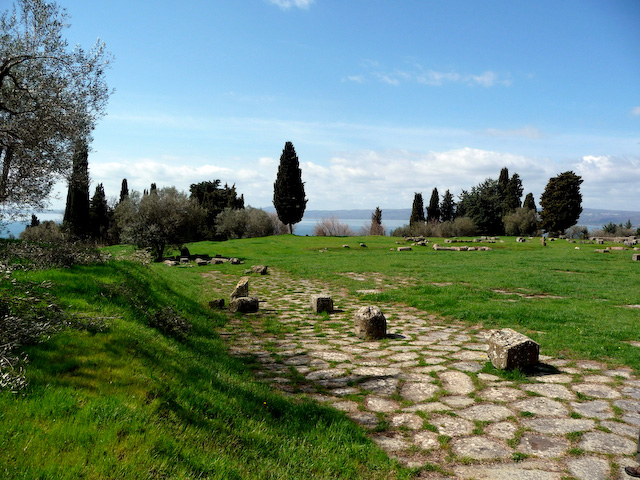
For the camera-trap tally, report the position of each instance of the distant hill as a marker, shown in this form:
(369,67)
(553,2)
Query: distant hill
(590,216)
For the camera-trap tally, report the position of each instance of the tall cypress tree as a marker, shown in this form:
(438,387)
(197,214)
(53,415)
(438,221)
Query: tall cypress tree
(447,207)
(529,203)
(76,213)
(417,211)
(288,189)
(433,210)
(99,214)
(124,190)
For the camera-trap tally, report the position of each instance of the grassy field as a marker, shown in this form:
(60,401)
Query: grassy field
(137,402)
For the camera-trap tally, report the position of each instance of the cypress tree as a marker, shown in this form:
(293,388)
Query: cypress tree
(529,202)
(417,211)
(447,208)
(124,190)
(99,214)
(376,227)
(76,213)
(288,189)
(433,210)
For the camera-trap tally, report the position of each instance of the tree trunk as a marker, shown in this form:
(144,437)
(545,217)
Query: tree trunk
(6,154)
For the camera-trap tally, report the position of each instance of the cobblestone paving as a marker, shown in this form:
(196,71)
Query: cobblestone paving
(421,393)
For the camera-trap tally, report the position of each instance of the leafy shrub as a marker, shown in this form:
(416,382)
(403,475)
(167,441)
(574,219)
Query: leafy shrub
(331,227)
(245,223)
(577,231)
(460,227)
(44,232)
(170,323)
(522,221)
(27,255)
(403,231)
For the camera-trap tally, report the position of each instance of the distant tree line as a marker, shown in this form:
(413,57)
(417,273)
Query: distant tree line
(494,207)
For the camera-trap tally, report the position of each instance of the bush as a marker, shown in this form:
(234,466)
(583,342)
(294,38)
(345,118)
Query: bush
(170,323)
(577,231)
(522,221)
(45,232)
(245,223)
(460,227)
(27,255)
(403,231)
(331,227)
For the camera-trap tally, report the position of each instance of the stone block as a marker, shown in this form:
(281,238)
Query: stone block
(242,288)
(404,249)
(509,349)
(635,257)
(370,323)
(217,304)
(321,303)
(260,269)
(244,305)
(201,262)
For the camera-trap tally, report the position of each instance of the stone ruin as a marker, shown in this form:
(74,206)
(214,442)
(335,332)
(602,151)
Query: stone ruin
(509,349)
(240,300)
(370,323)
(321,303)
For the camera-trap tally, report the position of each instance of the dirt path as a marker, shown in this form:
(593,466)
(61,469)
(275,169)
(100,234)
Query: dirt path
(422,397)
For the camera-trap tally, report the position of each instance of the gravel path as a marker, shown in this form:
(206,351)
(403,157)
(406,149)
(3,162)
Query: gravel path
(421,394)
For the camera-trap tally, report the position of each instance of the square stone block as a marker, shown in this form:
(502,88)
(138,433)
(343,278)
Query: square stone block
(509,349)
(321,303)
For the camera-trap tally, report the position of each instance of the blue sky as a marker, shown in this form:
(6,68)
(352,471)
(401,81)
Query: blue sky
(380,98)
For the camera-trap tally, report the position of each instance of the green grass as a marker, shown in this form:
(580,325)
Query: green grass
(133,403)
(588,320)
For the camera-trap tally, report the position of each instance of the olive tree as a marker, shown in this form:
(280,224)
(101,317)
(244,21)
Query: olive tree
(166,217)
(50,96)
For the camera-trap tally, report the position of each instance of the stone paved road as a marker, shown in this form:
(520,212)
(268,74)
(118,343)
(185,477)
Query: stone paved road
(421,393)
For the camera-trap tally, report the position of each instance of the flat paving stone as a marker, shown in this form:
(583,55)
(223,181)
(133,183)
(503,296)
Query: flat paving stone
(504,472)
(619,428)
(456,383)
(596,390)
(559,426)
(542,445)
(542,406)
(470,355)
(502,394)
(426,440)
(555,378)
(550,390)
(467,366)
(366,419)
(504,430)
(409,420)
(378,404)
(391,443)
(381,386)
(375,371)
(480,448)
(486,413)
(418,392)
(457,401)
(593,409)
(601,442)
(589,468)
(452,426)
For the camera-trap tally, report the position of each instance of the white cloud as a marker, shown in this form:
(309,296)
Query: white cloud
(418,74)
(286,4)
(608,179)
(635,111)
(524,132)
